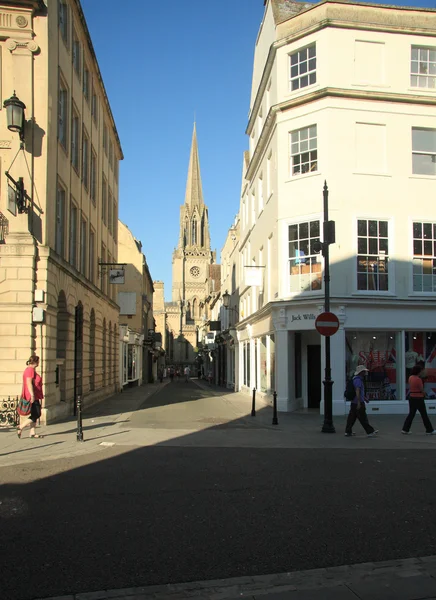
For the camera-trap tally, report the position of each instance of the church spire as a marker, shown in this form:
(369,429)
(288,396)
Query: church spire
(194,192)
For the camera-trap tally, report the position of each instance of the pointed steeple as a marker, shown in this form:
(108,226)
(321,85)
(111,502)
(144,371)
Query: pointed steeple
(194,191)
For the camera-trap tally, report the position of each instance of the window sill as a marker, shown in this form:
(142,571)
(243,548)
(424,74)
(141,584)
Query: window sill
(370,293)
(313,294)
(303,176)
(422,295)
(311,87)
(422,90)
(371,174)
(370,84)
(419,176)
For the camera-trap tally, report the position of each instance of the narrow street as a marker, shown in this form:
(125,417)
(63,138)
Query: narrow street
(134,516)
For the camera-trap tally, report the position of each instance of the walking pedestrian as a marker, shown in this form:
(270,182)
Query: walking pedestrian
(417,402)
(29,406)
(187,373)
(357,406)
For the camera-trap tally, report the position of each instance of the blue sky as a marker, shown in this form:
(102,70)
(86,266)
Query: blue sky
(165,62)
(178,59)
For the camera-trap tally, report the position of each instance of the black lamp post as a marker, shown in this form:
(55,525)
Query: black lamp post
(15,115)
(226,302)
(329,238)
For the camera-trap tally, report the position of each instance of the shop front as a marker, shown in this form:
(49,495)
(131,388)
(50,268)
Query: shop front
(131,348)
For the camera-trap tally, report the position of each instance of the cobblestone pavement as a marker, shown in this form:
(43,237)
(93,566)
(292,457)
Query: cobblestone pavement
(408,579)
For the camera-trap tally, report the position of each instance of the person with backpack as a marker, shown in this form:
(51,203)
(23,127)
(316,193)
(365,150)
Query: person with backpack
(357,407)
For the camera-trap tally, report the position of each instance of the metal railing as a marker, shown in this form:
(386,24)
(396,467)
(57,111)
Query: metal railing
(8,411)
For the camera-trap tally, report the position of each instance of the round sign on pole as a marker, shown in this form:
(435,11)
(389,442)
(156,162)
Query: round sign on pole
(327,323)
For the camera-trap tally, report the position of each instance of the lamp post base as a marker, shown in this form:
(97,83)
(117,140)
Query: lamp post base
(328,426)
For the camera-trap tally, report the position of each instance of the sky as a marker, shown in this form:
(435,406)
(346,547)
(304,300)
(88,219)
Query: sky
(165,63)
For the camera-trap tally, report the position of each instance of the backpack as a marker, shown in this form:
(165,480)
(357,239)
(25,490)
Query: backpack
(350,391)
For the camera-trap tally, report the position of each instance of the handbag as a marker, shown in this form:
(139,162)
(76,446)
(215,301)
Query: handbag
(24,407)
(35,410)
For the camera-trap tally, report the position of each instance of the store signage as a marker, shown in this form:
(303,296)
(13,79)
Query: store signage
(327,324)
(253,277)
(303,317)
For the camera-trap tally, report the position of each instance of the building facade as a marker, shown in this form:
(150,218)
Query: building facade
(55,298)
(135,299)
(191,261)
(345,93)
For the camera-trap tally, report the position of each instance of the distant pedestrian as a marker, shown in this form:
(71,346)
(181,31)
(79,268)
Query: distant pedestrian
(209,376)
(357,406)
(417,402)
(161,374)
(177,374)
(187,372)
(29,406)
(171,373)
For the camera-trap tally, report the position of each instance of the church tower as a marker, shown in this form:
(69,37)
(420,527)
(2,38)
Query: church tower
(192,256)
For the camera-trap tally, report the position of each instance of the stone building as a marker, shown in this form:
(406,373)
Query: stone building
(55,297)
(343,92)
(135,299)
(191,261)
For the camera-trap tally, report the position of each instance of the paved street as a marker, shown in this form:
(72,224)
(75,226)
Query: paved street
(195,489)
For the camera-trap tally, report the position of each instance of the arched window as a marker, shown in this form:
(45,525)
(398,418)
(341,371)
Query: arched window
(202,231)
(194,309)
(194,231)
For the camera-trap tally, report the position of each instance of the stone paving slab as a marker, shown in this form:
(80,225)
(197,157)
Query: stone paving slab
(406,579)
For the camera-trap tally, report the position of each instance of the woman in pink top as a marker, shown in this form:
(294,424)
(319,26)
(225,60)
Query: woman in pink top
(417,402)
(32,390)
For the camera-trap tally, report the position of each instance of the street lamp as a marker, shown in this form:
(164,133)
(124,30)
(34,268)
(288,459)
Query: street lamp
(329,238)
(15,115)
(226,302)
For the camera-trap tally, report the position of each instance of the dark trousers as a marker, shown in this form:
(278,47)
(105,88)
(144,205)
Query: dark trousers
(358,414)
(414,405)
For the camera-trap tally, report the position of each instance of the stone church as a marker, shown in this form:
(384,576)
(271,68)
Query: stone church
(180,319)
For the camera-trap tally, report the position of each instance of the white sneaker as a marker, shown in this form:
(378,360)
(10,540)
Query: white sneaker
(406,432)
(373,434)
(431,432)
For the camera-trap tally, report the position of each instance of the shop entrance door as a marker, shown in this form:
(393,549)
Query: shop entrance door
(313,376)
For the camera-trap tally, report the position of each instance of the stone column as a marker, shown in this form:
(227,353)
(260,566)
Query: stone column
(280,321)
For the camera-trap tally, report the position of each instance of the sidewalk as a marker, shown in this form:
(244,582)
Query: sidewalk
(408,579)
(219,419)
(101,423)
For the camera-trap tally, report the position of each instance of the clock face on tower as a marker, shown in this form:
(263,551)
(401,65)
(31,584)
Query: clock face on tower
(195,271)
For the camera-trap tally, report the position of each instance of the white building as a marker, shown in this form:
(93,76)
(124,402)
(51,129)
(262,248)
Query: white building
(345,93)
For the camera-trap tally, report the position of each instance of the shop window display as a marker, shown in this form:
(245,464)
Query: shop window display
(421,346)
(272,362)
(378,353)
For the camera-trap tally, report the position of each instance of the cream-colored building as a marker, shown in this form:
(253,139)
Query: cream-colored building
(55,297)
(135,299)
(345,93)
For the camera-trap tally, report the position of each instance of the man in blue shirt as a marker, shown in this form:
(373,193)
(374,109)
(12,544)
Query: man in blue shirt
(357,406)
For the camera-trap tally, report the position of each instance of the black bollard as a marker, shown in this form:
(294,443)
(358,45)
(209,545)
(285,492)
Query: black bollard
(253,404)
(79,420)
(275,420)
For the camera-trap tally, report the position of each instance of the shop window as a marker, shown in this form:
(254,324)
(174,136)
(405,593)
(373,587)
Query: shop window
(304,263)
(245,363)
(132,363)
(424,257)
(423,67)
(377,351)
(304,152)
(420,346)
(372,255)
(263,365)
(302,68)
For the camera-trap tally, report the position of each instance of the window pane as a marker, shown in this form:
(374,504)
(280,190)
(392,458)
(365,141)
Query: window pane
(428,230)
(373,246)
(293,232)
(383,229)
(362,227)
(423,140)
(314,229)
(423,164)
(303,230)
(417,247)
(362,245)
(428,248)
(417,230)
(383,246)
(372,228)
(415,53)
